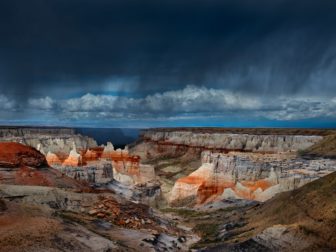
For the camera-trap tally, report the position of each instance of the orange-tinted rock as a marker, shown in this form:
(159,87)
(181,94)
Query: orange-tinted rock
(53,159)
(254,185)
(90,155)
(122,162)
(125,166)
(193,188)
(74,158)
(204,185)
(108,151)
(192,180)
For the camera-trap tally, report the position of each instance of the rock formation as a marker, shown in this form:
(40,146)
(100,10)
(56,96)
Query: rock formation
(24,165)
(154,142)
(246,175)
(53,159)
(91,165)
(55,140)
(299,220)
(108,151)
(74,159)
(90,155)
(40,149)
(17,155)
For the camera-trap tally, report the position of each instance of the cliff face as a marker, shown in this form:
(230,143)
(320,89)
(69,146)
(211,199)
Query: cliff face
(56,140)
(227,141)
(246,175)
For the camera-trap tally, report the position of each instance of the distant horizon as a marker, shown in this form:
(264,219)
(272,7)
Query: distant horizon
(154,127)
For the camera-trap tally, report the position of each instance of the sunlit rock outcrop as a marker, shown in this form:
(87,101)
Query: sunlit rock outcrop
(24,165)
(74,159)
(53,159)
(128,170)
(91,155)
(108,150)
(40,149)
(103,164)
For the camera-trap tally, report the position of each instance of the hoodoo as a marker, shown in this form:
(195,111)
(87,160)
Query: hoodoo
(74,158)
(109,151)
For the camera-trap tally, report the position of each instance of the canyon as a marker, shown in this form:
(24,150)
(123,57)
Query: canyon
(197,166)
(43,209)
(185,176)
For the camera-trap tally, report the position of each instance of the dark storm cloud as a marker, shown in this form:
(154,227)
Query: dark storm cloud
(249,46)
(52,53)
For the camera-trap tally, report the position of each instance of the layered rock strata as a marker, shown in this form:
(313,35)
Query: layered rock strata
(55,140)
(74,159)
(246,175)
(98,172)
(229,142)
(102,165)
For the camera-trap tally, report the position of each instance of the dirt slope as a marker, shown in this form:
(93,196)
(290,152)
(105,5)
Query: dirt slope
(307,214)
(300,220)
(325,148)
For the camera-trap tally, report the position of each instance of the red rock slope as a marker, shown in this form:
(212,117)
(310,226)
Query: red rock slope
(24,165)
(17,155)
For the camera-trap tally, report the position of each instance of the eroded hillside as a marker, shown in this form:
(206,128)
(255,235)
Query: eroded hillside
(172,191)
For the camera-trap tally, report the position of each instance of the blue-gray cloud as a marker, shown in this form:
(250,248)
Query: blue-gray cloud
(273,59)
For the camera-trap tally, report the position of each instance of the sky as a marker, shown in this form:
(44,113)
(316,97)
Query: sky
(150,63)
